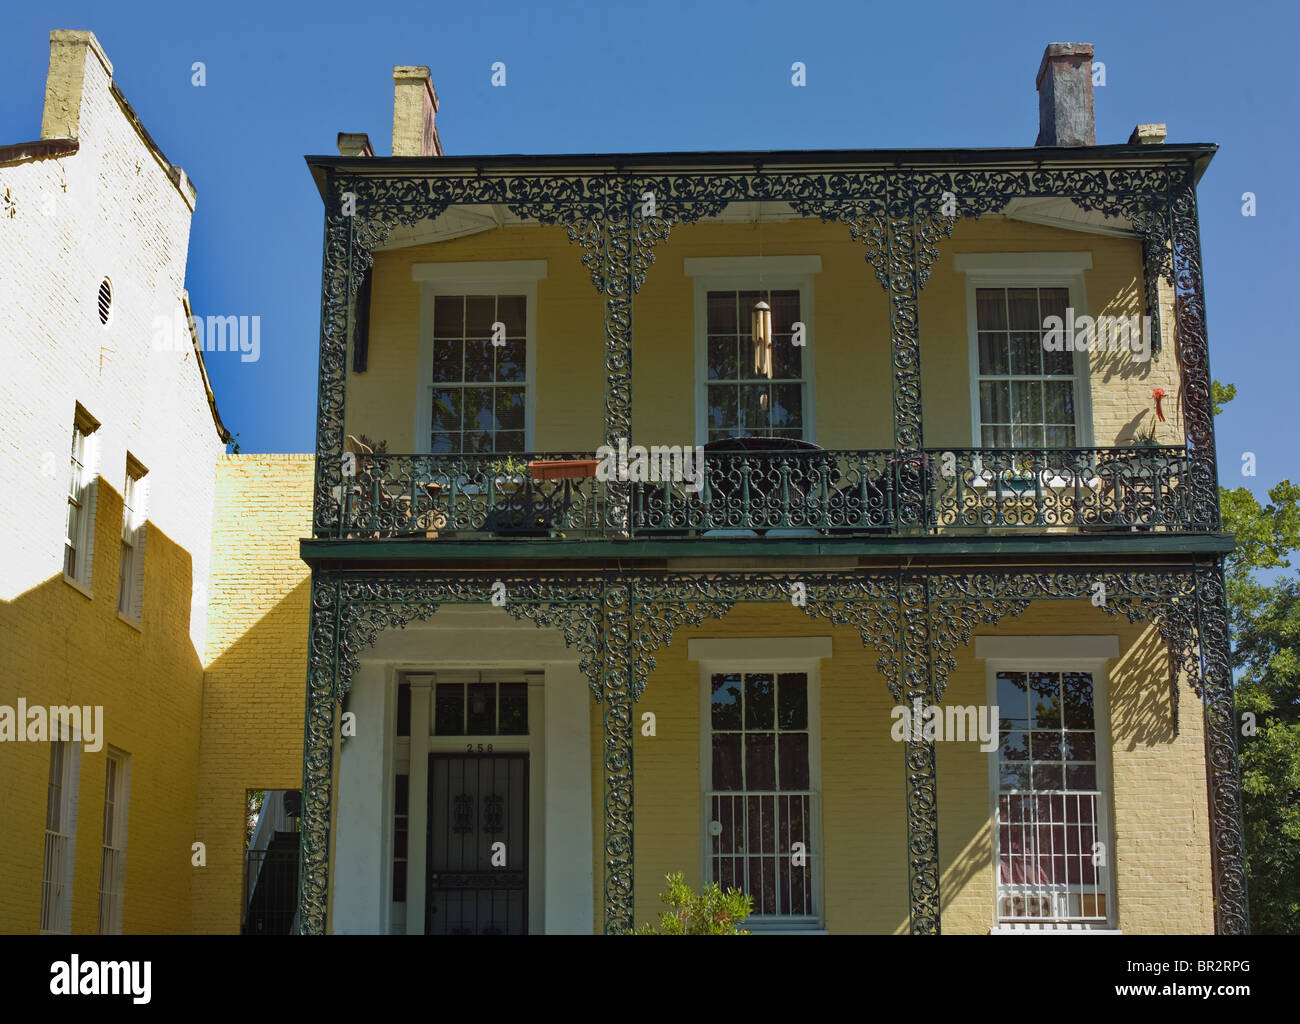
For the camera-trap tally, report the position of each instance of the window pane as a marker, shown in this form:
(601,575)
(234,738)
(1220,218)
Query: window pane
(1077,691)
(722,313)
(1045,746)
(760,702)
(723,410)
(760,760)
(1022,309)
(449,316)
(724,362)
(1053,302)
(510,361)
(995,437)
(514,709)
(990,309)
(448,360)
(1049,776)
(1081,776)
(477,405)
(1026,354)
(794,760)
(509,441)
(1026,401)
(444,443)
(482,709)
(792,700)
(449,709)
(1015,747)
(1013,700)
(1079,746)
(995,401)
(1059,364)
(480,314)
(787,407)
(511,310)
(726,761)
(994,360)
(446,409)
(1045,688)
(754,408)
(480,356)
(726,700)
(787,358)
(1058,405)
(510,408)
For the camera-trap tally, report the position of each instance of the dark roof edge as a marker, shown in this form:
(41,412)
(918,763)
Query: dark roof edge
(40,149)
(1199,154)
(222,432)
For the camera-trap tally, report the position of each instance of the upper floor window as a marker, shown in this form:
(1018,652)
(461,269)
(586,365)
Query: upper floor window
(1026,394)
(130,582)
(79,532)
(1023,395)
(748,395)
(480,366)
(752,383)
(476,366)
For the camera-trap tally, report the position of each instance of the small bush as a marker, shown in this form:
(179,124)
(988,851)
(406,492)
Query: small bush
(711,912)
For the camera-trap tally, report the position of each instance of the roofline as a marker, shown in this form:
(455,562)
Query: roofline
(39,149)
(222,432)
(1199,154)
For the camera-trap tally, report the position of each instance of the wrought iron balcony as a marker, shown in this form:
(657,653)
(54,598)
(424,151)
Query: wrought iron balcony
(812,492)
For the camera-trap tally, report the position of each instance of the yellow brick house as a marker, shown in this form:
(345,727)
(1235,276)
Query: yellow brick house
(841,526)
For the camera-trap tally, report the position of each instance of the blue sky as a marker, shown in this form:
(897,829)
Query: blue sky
(283,80)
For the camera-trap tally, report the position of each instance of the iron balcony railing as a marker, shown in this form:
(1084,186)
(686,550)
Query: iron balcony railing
(818,492)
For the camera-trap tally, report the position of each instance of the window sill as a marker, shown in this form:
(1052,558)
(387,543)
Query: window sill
(78,586)
(135,624)
(1052,929)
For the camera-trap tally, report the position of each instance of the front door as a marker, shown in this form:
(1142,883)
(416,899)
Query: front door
(478,845)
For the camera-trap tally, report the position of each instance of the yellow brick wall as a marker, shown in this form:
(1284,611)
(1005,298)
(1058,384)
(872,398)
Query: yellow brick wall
(257,667)
(1161,851)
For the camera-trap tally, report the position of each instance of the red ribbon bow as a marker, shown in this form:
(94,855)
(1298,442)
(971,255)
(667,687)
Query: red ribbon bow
(1158,394)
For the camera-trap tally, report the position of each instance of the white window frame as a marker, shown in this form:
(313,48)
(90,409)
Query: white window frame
(1028,270)
(774,655)
(112,891)
(1082,653)
(135,499)
(61,843)
(752,273)
(85,427)
(493,277)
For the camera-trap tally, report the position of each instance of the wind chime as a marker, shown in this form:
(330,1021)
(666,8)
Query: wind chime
(761,324)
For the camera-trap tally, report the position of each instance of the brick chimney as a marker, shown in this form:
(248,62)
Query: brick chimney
(77,64)
(1064,83)
(414,106)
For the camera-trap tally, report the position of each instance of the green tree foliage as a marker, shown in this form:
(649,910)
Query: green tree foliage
(711,912)
(1266,654)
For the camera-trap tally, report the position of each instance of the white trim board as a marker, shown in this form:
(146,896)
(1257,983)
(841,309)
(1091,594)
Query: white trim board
(1047,648)
(484,271)
(1021,263)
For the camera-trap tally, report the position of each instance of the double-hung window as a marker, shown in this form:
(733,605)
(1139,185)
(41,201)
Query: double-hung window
(761,776)
(1052,840)
(746,387)
(479,324)
(1025,394)
(60,836)
(112,869)
(79,531)
(130,582)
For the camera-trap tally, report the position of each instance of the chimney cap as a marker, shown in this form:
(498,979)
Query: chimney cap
(1148,135)
(1054,51)
(355,144)
(419,73)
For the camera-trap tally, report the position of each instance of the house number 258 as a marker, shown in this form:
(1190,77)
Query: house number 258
(470,747)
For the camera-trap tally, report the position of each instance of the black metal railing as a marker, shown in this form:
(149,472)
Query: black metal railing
(807,491)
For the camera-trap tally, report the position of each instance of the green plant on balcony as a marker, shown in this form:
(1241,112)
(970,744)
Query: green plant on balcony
(709,912)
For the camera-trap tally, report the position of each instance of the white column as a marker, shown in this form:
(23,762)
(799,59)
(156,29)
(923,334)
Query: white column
(418,822)
(569,896)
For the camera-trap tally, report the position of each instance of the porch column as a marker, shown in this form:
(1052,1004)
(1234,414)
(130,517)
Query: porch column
(616,693)
(418,804)
(1227,833)
(320,733)
(919,758)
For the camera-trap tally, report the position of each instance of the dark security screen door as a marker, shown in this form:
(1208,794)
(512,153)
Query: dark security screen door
(478,815)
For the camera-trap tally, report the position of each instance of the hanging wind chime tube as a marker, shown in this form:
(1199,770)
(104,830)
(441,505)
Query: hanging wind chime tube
(761,333)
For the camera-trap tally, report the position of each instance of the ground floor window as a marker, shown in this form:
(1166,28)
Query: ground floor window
(1053,857)
(760,803)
